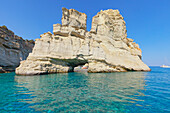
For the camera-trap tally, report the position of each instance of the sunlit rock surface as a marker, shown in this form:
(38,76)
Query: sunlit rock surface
(105,48)
(13,49)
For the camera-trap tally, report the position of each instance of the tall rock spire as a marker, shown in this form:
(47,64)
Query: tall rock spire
(72,17)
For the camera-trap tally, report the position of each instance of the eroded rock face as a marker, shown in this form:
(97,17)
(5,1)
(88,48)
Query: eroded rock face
(105,48)
(13,49)
(74,18)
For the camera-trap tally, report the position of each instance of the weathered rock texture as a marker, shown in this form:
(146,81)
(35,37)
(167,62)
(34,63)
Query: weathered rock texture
(13,49)
(105,48)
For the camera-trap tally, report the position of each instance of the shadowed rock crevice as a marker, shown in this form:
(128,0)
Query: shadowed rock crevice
(105,48)
(69,62)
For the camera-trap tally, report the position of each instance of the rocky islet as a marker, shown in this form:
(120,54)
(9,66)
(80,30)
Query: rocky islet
(105,48)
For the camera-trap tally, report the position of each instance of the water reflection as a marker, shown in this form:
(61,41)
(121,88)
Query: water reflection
(87,92)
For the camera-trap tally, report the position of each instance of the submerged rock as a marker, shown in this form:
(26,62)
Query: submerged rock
(13,49)
(105,48)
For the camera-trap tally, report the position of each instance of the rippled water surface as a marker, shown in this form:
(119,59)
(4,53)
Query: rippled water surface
(126,92)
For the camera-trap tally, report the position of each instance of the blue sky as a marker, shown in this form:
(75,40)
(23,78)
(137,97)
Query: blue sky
(147,21)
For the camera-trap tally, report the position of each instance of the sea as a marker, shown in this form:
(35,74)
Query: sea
(123,92)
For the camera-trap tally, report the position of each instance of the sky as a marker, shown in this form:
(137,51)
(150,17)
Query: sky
(147,21)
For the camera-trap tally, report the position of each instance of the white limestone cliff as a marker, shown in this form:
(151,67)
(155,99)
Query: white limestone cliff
(105,48)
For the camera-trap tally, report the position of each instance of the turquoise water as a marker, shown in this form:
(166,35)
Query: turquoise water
(126,92)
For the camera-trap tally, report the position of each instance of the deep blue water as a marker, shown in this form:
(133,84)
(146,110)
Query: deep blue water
(126,92)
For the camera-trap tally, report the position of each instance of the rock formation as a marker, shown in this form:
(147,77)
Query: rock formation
(105,48)
(13,49)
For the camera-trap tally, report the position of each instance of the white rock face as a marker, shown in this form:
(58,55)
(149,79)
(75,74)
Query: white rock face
(13,49)
(74,18)
(105,48)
